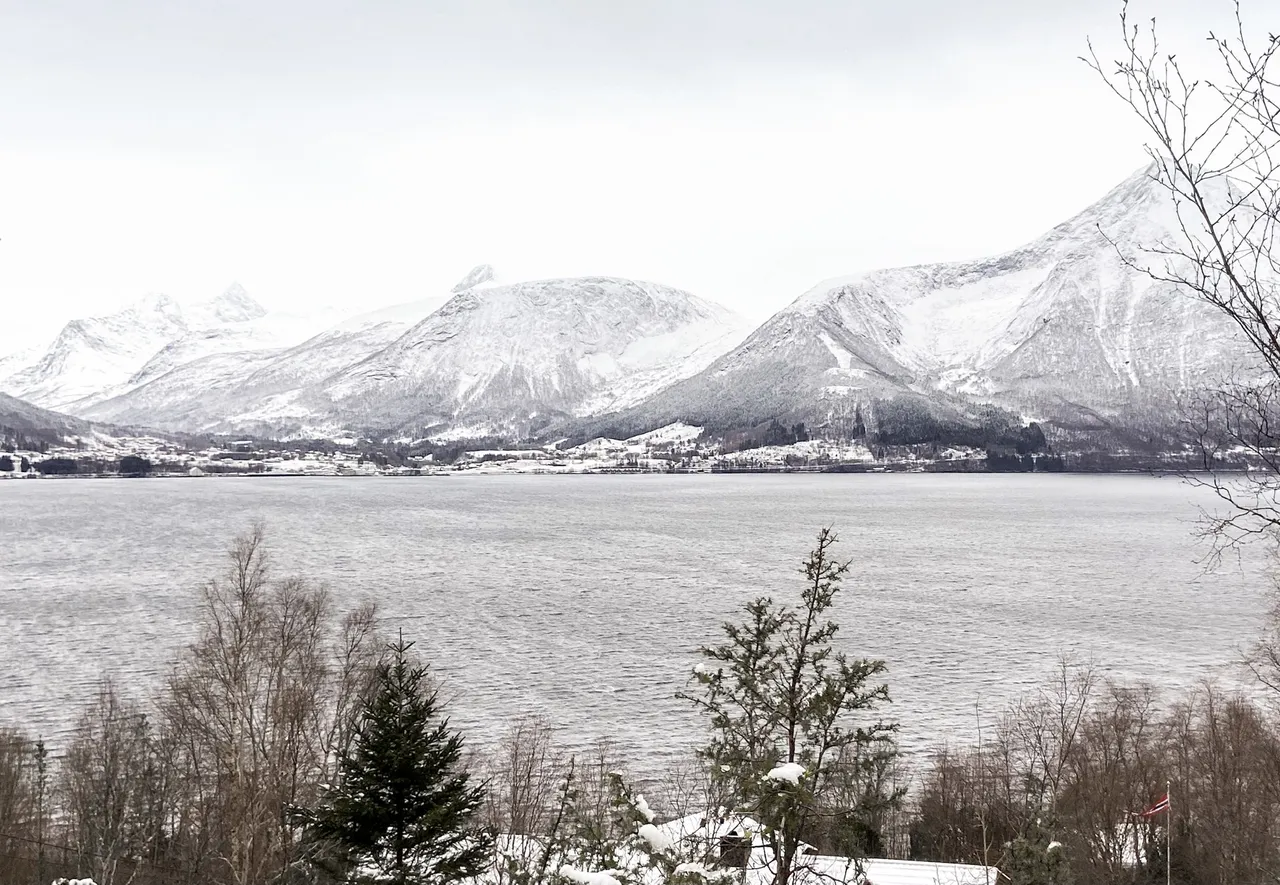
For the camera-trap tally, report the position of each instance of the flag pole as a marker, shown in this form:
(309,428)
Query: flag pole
(1168,833)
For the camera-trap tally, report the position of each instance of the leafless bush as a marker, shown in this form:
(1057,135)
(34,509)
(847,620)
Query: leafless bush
(115,790)
(524,772)
(21,817)
(1081,759)
(1225,761)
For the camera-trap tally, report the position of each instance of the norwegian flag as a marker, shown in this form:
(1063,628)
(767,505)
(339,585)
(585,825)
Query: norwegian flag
(1162,804)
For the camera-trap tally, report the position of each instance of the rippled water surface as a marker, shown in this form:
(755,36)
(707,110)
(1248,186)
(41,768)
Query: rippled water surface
(584,598)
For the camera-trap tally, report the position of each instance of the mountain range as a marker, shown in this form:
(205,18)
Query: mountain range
(1064,330)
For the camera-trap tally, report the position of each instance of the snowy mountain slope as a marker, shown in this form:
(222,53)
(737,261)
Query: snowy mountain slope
(183,397)
(697,351)
(18,417)
(1060,326)
(265,395)
(96,353)
(516,353)
(18,361)
(477,276)
(101,358)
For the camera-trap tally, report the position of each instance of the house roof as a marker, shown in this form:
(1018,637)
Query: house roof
(705,829)
(824,869)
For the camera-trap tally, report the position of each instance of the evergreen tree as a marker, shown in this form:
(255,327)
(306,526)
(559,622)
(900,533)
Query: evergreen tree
(795,742)
(403,812)
(134,465)
(1034,858)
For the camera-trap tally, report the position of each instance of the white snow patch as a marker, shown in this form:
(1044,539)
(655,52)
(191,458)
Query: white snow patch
(671,433)
(791,772)
(643,807)
(958,324)
(697,869)
(588,878)
(657,840)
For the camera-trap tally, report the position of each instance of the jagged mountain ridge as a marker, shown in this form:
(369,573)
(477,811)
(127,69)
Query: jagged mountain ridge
(260,391)
(92,353)
(1059,328)
(95,356)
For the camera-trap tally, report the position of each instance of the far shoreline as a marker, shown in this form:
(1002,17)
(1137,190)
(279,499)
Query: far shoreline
(1157,473)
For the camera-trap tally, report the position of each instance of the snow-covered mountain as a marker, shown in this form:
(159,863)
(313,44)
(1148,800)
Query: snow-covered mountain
(510,356)
(92,354)
(98,358)
(19,360)
(491,359)
(1062,327)
(266,391)
(21,419)
(261,391)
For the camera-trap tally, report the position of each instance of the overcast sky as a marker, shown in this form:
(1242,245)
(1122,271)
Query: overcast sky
(371,152)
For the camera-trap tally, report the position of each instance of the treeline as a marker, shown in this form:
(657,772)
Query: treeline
(195,786)
(906,420)
(129,465)
(278,719)
(1055,793)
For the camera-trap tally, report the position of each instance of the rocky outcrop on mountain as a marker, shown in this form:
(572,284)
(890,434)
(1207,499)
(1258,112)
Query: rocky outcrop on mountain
(478,275)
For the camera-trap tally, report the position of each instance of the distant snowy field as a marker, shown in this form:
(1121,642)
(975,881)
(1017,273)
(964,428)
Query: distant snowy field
(584,598)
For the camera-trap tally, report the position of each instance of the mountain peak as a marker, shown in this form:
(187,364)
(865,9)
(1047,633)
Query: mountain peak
(235,305)
(481,273)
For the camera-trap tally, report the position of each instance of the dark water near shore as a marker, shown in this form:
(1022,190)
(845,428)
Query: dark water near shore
(584,598)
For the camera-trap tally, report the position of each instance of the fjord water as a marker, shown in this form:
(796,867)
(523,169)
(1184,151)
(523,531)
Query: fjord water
(584,598)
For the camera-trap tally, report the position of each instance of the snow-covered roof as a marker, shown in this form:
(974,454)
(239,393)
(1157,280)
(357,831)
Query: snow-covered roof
(709,827)
(881,871)
(697,837)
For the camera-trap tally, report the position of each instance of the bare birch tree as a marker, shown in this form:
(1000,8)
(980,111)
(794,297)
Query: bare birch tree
(259,709)
(1214,141)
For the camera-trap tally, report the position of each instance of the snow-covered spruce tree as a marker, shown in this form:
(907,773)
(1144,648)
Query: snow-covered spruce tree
(403,811)
(793,728)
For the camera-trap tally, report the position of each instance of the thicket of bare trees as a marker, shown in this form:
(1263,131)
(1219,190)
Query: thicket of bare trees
(198,786)
(1075,763)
